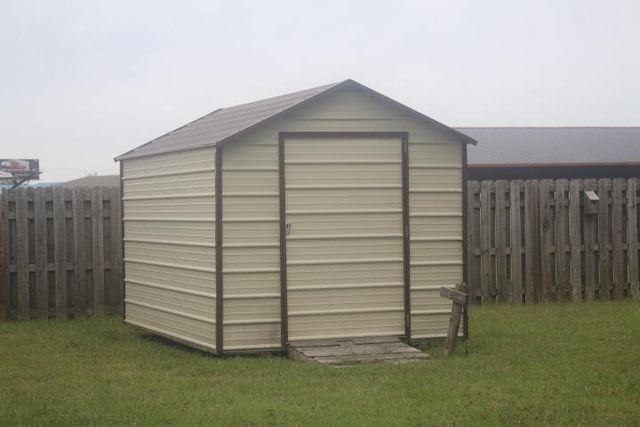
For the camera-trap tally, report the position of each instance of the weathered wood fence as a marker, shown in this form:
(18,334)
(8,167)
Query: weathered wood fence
(528,241)
(539,241)
(60,252)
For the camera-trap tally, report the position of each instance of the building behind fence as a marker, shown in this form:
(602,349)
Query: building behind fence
(60,252)
(528,241)
(538,241)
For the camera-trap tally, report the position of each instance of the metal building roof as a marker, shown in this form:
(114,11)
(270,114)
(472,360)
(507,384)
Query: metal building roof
(553,145)
(225,123)
(93,181)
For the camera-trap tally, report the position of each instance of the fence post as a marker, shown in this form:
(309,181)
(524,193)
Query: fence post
(4,267)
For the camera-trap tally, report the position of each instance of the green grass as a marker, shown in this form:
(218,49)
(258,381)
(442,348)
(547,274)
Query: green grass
(560,364)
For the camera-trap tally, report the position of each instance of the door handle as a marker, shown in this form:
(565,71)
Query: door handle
(287,227)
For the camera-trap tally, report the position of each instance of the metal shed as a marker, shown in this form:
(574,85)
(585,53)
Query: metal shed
(327,213)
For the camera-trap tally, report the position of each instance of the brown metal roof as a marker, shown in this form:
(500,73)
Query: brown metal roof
(534,146)
(225,123)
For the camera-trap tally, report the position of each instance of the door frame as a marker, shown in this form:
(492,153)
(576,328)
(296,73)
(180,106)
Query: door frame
(404,138)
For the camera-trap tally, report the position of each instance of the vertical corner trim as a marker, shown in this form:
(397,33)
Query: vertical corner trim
(284,319)
(123,265)
(218,240)
(406,236)
(465,237)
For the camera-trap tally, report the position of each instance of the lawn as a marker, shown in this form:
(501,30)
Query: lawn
(556,364)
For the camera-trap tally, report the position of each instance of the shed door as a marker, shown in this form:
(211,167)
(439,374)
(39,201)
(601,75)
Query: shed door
(344,236)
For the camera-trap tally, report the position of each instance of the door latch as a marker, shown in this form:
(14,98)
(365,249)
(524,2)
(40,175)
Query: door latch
(287,227)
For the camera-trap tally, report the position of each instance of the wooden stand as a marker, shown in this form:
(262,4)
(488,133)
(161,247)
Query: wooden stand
(459,296)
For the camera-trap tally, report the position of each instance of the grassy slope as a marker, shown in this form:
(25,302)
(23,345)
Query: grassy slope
(536,365)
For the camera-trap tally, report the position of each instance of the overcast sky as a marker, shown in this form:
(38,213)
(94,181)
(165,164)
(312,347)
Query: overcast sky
(84,81)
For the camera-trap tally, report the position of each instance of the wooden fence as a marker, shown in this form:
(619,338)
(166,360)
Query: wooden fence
(539,241)
(60,252)
(528,241)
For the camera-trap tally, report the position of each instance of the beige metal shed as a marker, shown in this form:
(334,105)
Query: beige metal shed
(326,213)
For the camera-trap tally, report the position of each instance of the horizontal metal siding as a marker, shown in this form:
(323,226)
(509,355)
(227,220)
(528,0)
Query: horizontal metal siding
(169,216)
(164,165)
(155,187)
(367,271)
(175,231)
(189,280)
(184,255)
(198,306)
(344,251)
(337,324)
(435,211)
(251,258)
(192,208)
(192,332)
(257,282)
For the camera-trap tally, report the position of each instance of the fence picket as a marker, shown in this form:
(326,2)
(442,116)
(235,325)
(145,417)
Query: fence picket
(531,240)
(22,255)
(544,287)
(485,243)
(604,239)
(473,242)
(590,242)
(116,246)
(59,261)
(632,237)
(501,242)
(515,239)
(575,239)
(42,284)
(561,239)
(3,282)
(5,259)
(97,230)
(618,249)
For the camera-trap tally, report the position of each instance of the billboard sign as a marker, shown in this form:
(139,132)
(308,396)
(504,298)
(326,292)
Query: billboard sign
(20,168)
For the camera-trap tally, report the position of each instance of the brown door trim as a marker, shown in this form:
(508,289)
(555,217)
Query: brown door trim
(404,138)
